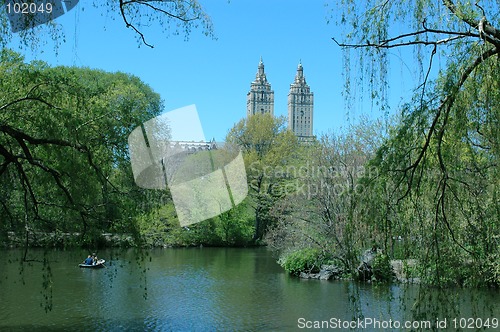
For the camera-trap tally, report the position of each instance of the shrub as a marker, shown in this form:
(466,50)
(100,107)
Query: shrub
(303,260)
(382,269)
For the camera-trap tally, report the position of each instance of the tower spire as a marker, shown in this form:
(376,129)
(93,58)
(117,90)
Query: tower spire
(299,77)
(261,76)
(300,106)
(260,98)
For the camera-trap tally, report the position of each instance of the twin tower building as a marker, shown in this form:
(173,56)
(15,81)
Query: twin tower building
(260,99)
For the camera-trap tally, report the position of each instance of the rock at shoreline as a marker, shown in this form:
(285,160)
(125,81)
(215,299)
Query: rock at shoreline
(365,267)
(327,272)
(401,267)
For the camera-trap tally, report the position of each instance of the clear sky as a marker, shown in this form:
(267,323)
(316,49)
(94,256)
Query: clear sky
(216,74)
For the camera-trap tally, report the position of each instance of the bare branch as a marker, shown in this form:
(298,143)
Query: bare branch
(482,9)
(183,16)
(16,134)
(129,25)
(386,44)
(27,98)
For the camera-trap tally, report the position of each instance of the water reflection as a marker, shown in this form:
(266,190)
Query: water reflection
(203,289)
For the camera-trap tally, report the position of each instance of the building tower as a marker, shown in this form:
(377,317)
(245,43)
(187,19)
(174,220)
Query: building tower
(300,107)
(260,98)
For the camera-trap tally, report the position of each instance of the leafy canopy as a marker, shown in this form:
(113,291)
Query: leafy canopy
(63,146)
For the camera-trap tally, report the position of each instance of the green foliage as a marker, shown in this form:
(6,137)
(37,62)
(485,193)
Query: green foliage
(231,228)
(383,27)
(438,183)
(160,227)
(325,209)
(64,164)
(492,268)
(235,227)
(303,260)
(268,150)
(443,206)
(382,269)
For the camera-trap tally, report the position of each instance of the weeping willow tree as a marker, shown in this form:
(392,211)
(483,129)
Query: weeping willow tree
(439,179)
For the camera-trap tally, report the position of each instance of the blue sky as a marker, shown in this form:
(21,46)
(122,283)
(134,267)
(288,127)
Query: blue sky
(216,74)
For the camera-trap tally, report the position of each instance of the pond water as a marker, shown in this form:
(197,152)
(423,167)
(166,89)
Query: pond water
(210,289)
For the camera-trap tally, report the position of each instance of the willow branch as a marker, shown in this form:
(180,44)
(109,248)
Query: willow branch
(386,44)
(445,107)
(182,17)
(487,32)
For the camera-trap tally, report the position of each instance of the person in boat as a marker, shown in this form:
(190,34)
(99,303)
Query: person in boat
(94,259)
(89,260)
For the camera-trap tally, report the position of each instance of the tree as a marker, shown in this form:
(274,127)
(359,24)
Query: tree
(63,156)
(173,16)
(325,213)
(442,160)
(268,149)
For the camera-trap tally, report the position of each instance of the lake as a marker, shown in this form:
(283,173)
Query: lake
(212,289)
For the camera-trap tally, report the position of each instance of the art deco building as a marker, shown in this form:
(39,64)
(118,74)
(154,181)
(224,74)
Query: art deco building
(260,98)
(300,107)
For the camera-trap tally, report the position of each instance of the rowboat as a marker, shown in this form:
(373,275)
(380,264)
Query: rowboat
(99,264)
